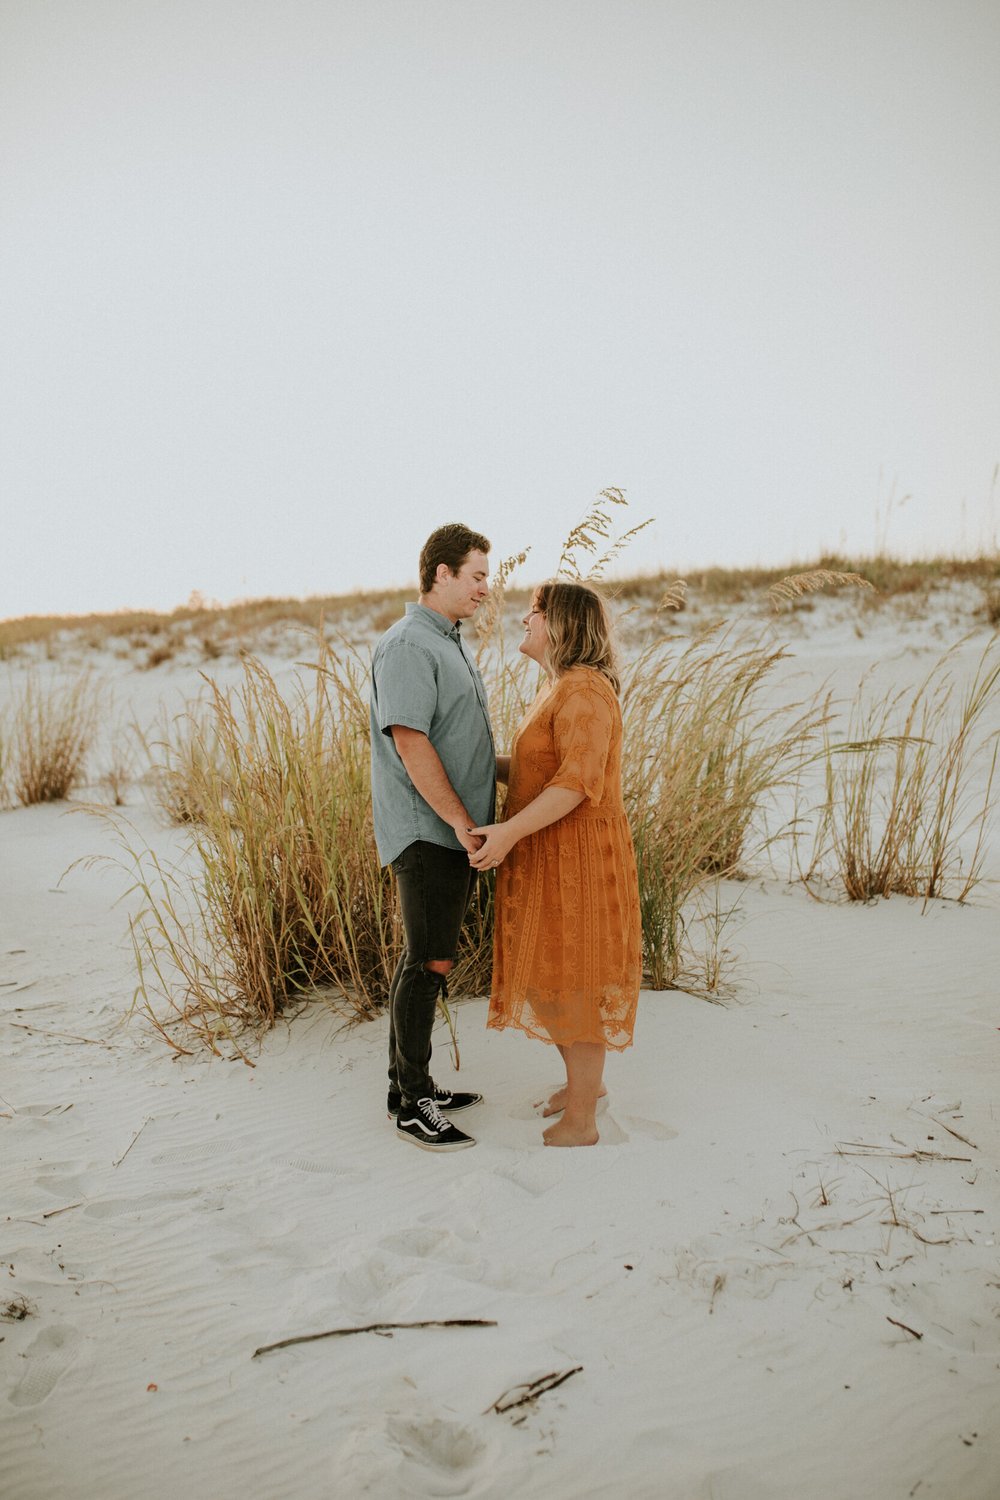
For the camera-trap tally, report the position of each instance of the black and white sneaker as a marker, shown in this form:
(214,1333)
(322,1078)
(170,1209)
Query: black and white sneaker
(424,1124)
(450,1099)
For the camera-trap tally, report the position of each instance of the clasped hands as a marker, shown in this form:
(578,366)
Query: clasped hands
(497,841)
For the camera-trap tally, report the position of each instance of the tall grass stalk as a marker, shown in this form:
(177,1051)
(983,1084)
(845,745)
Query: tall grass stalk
(901,792)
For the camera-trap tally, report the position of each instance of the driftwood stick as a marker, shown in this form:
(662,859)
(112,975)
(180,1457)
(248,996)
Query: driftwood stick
(336,1333)
(531,1391)
(904,1326)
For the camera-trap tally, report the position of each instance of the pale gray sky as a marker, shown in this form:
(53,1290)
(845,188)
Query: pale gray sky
(286,283)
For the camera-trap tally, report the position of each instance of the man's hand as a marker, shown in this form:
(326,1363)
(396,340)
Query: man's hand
(471,842)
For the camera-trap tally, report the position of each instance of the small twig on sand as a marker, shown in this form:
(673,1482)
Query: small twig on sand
(51,1212)
(904,1326)
(530,1391)
(950,1211)
(958,1136)
(925,1241)
(336,1333)
(846,1148)
(92,1041)
(132,1142)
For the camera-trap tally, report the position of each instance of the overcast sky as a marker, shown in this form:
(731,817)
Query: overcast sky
(284,284)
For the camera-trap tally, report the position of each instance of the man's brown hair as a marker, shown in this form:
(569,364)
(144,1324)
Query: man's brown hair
(450,545)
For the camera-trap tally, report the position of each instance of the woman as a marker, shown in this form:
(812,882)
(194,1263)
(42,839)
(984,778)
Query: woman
(567,956)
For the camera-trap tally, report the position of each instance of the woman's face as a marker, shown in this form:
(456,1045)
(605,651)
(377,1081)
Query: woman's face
(536,635)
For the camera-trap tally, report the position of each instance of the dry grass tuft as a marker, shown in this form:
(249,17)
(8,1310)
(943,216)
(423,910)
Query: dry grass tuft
(899,791)
(51,734)
(158,654)
(289,897)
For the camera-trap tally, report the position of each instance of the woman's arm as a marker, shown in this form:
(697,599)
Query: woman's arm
(503,768)
(548,807)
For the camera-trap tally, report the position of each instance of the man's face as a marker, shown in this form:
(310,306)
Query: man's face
(459,595)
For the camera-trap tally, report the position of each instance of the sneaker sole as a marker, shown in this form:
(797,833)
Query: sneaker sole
(434,1145)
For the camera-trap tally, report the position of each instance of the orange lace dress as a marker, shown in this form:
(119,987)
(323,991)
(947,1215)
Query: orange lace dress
(567,952)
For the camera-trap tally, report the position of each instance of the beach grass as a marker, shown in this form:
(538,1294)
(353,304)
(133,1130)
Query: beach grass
(903,790)
(704,757)
(51,730)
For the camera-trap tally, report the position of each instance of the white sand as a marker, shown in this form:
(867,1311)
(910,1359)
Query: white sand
(733,1328)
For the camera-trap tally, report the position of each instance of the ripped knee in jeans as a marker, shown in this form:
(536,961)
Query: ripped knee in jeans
(440,968)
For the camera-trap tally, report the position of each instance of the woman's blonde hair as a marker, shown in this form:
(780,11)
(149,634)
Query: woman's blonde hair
(579,628)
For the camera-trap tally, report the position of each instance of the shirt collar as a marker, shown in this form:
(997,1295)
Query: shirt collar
(440,622)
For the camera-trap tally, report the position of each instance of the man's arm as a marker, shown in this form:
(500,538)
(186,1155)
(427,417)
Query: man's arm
(424,768)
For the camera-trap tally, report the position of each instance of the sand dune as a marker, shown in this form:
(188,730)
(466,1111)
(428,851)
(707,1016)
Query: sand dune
(778,1273)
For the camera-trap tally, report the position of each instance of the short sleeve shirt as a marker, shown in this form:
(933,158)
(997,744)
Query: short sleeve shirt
(423,677)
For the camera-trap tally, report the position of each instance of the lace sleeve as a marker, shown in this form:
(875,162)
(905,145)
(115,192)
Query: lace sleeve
(583,725)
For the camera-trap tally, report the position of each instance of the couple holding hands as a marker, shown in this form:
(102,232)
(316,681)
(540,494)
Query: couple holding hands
(567,962)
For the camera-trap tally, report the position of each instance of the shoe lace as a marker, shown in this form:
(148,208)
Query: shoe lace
(432,1114)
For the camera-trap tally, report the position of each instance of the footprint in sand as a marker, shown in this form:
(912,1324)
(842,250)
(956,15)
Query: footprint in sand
(116,1208)
(49,1357)
(418,1455)
(326,1169)
(195,1153)
(63,1187)
(442,1457)
(653,1129)
(534,1174)
(430,1244)
(379,1286)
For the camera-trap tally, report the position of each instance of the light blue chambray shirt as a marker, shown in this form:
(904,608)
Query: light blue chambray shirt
(423,677)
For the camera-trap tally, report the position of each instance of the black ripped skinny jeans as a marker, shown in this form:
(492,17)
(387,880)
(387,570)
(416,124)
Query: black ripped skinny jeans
(435,888)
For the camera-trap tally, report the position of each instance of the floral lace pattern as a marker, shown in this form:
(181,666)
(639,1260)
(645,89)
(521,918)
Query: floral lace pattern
(567,958)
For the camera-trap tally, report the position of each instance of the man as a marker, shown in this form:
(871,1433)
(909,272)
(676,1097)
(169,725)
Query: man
(433,779)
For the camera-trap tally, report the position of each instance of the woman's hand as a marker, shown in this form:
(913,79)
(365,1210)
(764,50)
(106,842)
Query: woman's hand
(498,840)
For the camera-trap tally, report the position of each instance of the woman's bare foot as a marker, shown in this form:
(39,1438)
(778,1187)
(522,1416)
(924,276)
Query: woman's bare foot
(563,1133)
(557,1101)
